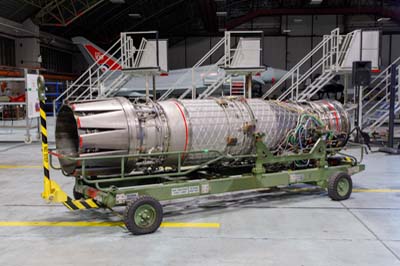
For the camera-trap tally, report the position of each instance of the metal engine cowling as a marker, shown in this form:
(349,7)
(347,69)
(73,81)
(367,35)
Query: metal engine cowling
(116,126)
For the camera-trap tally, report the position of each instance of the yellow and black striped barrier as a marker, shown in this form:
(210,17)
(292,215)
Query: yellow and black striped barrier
(52,191)
(80,204)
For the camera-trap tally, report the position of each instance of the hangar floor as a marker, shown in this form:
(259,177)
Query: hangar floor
(291,228)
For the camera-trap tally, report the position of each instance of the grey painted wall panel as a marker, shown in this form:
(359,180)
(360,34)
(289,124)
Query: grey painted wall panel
(395,47)
(318,55)
(244,26)
(323,24)
(275,52)
(176,56)
(299,25)
(275,46)
(298,47)
(196,47)
(219,53)
(79,63)
(270,25)
(385,46)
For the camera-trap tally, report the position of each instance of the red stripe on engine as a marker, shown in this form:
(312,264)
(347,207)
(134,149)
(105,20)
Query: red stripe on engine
(56,154)
(330,106)
(186,128)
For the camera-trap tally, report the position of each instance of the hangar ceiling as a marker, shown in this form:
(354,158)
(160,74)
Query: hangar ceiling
(102,20)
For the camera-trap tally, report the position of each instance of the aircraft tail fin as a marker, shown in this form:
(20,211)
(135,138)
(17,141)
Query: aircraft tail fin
(93,53)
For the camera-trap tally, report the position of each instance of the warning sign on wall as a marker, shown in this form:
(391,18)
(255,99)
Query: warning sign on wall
(32,96)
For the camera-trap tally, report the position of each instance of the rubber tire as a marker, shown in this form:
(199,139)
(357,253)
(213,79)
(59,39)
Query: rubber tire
(28,140)
(333,186)
(77,195)
(129,214)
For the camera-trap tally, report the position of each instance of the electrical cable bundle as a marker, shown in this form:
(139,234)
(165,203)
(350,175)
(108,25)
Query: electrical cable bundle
(316,120)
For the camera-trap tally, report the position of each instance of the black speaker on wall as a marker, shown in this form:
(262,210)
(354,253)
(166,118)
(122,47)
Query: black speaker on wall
(361,73)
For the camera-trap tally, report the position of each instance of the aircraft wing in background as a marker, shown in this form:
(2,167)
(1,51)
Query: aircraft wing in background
(179,78)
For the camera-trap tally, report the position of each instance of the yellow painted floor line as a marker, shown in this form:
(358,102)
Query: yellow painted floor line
(377,190)
(5,166)
(370,190)
(104,224)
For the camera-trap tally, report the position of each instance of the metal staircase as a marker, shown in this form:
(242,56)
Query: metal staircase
(334,49)
(214,86)
(315,86)
(191,74)
(234,58)
(114,87)
(106,76)
(237,85)
(375,102)
(90,84)
(237,62)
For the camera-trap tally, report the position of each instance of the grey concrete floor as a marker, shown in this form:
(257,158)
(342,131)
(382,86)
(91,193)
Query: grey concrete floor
(16,130)
(305,228)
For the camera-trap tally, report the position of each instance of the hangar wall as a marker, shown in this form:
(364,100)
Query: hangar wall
(21,45)
(284,50)
(281,50)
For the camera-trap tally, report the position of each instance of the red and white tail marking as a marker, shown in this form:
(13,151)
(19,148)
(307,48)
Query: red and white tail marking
(102,59)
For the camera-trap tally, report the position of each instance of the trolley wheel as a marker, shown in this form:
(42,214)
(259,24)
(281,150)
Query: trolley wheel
(77,195)
(340,186)
(143,215)
(28,140)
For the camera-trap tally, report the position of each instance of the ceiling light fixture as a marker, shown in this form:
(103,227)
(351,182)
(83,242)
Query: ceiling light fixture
(383,19)
(135,15)
(315,2)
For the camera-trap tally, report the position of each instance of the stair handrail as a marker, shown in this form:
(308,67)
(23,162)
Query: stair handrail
(204,58)
(371,100)
(302,78)
(122,60)
(313,88)
(214,86)
(384,72)
(175,85)
(383,118)
(379,102)
(140,52)
(81,77)
(210,89)
(188,90)
(319,84)
(192,70)
(236,52)
(88,96)
(383,77)
(100,80)
(115,86)
(298,65)
(345,46)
